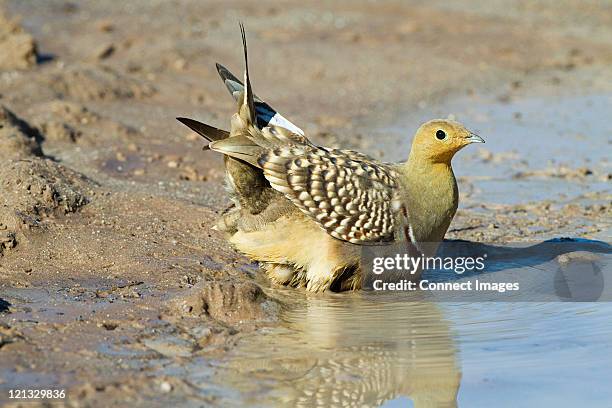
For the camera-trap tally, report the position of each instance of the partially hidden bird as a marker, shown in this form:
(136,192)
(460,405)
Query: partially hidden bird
(306,212)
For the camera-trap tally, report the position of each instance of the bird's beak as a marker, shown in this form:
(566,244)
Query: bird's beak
(474,138)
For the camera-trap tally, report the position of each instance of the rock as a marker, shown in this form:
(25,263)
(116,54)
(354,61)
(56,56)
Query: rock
(165,387)
(578,256)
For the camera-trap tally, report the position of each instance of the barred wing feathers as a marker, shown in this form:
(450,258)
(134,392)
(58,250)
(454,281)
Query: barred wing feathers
(347,193)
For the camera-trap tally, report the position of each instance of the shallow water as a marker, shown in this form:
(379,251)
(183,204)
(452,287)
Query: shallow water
(367,349)
(354,350)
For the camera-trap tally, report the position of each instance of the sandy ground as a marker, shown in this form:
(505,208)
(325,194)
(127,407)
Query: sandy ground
(108,266)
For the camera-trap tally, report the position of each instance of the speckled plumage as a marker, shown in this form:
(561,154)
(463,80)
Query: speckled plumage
(304,211)
(347,193)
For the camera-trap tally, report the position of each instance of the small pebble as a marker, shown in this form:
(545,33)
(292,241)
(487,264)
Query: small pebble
(165,387)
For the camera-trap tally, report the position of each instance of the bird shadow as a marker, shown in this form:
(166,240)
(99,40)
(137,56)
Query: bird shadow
(501,258)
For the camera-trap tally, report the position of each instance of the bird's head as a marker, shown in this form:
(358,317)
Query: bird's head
(438,140)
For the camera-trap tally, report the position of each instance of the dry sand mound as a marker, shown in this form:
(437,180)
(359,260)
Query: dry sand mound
(17,48)
(17,138)
(97,82)
(32,186)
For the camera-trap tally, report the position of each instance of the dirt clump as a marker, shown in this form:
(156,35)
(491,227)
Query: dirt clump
(8,334)
(38,187)
(17,47)
(62,121)
(227,301)
(97,83)
(32,186)
(18,139)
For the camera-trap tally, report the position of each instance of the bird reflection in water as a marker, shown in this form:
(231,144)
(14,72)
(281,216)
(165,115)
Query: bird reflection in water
(348,350)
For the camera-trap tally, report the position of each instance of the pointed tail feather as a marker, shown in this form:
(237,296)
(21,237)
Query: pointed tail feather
(248,101)
(208,132)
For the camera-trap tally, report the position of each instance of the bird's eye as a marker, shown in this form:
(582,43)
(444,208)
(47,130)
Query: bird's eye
(440,135)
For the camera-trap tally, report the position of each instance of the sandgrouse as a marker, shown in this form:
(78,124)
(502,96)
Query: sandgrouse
(305,212)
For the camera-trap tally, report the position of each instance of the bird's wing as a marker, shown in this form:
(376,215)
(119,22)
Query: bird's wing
(350,195)
(347,193)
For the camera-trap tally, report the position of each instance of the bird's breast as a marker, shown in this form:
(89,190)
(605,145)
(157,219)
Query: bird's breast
(432,203)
